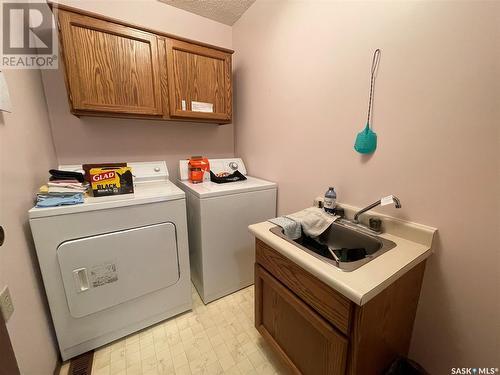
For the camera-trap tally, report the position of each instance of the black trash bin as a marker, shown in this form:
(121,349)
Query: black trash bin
(405,366)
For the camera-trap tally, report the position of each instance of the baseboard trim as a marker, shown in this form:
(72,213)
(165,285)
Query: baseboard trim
(57,369)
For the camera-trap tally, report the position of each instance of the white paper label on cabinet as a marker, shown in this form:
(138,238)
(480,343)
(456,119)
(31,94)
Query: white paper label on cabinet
(202,107)
(386,200)
(183,105)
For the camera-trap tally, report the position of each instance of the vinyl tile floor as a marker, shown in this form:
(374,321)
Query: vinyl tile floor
(218,338)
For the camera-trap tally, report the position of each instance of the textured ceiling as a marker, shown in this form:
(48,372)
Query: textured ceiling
(224,11)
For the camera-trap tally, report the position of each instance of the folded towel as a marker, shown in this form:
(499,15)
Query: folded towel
(291,228)
(67,190)
(73,181)
(313,220)
(66,175)
(76,186)
(54,201)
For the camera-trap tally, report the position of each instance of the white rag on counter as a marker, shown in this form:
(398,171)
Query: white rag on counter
(291,228)
(312,221)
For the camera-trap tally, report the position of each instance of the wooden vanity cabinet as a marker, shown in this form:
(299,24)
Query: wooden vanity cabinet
(199,82)
(317,331)
(110,68)
(300,335)
(116,69)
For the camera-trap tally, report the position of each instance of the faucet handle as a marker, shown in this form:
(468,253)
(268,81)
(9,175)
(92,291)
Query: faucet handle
(375,224)
(339,211)
(390,199)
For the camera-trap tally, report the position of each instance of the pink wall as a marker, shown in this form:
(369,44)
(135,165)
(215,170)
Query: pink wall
(302,79)
(90,139)
(26,154)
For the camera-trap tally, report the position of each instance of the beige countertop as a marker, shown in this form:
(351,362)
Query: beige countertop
(413,245)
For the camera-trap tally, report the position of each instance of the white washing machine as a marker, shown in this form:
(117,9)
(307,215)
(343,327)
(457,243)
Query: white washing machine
(112,266)
(221,250)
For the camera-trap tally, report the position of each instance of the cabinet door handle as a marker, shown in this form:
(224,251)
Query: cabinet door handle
(2,236)
(81,280)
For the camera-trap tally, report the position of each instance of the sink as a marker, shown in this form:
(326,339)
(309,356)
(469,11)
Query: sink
(341,245)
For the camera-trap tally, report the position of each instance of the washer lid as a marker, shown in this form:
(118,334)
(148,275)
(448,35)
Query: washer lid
(145,192)
(209,189)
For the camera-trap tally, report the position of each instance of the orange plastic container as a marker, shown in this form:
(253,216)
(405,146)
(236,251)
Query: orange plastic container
(197,167)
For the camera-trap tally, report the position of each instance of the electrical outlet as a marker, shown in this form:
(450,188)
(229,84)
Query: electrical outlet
(6,304)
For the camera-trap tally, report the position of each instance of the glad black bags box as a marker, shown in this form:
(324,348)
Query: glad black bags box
(111,181)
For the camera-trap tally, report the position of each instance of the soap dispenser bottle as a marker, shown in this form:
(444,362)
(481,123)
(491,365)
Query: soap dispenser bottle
(330,201)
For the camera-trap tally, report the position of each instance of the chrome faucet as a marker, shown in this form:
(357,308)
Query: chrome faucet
(395,199)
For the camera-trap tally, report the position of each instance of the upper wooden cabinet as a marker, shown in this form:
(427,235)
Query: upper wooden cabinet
(109,67)
(199,81)
(120,70)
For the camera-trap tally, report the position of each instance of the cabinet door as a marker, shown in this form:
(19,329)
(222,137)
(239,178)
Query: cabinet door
(306,342)
(199,82)
(110,68)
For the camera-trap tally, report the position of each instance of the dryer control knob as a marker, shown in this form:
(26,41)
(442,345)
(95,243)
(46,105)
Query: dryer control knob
(233,165)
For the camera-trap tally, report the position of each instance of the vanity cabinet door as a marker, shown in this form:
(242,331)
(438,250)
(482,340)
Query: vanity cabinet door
(304,340)
(199,82)
(110,68)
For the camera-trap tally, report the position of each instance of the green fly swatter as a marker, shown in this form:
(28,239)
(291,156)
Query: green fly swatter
(366,140)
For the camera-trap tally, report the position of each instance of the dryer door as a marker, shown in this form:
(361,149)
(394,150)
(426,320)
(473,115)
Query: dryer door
(102,271)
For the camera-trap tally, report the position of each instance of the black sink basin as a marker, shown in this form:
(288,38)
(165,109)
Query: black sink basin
(341,246)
